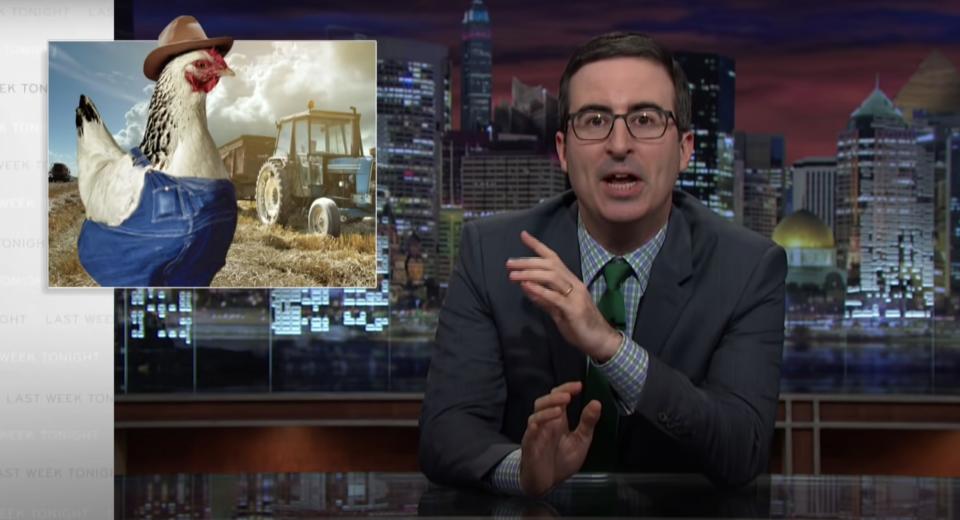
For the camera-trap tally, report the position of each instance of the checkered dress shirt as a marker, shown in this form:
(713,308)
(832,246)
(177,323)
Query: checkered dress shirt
(627,369)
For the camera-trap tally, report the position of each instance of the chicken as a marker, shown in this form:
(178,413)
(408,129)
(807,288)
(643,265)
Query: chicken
(176,142)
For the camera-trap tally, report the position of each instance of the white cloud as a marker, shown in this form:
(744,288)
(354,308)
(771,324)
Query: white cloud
(135,122)
(275,79)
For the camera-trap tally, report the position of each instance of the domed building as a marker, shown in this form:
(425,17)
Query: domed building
(814,284)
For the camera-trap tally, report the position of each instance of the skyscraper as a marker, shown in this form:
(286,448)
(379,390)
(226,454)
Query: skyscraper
(758,206)
(953,154)
(814,187)
(411,110)
(500,181)
(476,69)
(532,110)
(710,175)
(884,214)
(934,136)
(931,99)
(456,145)
(764,186)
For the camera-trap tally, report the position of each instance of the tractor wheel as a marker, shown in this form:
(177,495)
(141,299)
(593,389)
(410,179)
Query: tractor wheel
(324,218)
(274,194)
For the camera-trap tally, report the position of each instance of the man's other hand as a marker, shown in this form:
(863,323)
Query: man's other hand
(552,287)
(550,452)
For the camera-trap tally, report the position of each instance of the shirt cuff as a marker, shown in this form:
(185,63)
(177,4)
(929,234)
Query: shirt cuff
(627,372)
(506,476)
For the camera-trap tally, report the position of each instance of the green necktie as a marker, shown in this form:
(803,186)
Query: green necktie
(603,450)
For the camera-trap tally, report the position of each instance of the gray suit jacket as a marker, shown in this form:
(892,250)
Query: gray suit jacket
(711,319)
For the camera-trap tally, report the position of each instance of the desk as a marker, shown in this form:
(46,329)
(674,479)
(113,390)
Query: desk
(845,434)
(303,495)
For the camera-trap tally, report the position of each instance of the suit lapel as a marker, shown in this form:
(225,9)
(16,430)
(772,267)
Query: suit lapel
(666,293)
(569,364)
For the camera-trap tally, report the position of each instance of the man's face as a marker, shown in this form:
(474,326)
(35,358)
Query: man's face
(621,180)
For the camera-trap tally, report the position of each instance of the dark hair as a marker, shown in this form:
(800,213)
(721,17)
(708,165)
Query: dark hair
(628,44)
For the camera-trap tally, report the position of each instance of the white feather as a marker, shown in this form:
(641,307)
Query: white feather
(109,183)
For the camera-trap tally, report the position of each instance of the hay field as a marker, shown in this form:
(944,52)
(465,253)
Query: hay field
(260,256)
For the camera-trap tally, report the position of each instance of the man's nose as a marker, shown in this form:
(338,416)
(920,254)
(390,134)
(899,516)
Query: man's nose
(619,141)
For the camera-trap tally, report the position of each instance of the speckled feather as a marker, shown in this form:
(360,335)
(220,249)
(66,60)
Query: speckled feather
(159,139)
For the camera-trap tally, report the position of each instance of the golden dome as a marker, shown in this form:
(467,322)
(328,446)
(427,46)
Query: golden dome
(803,230)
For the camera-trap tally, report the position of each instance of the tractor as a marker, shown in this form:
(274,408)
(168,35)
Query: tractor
(317,172)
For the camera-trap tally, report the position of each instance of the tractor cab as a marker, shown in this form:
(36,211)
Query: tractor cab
(319,133)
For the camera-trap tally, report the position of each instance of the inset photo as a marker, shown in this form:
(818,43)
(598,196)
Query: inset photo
(197,161)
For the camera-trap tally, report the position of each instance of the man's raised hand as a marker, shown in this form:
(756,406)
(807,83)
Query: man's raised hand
(550,451)
(552,287)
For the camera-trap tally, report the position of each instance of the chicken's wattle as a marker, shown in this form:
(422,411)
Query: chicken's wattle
(203,83)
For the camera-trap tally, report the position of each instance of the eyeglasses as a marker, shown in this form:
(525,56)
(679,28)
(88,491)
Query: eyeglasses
(643,123)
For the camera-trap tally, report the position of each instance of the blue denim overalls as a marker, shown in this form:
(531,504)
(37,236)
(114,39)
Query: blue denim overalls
(178,236)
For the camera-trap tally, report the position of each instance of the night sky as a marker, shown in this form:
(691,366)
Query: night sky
(801,69)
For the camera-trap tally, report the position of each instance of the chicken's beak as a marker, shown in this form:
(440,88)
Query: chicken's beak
(227,71)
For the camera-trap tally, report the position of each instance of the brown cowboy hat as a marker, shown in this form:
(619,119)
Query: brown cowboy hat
(179,36)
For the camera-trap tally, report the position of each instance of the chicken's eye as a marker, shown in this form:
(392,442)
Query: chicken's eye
(200,64)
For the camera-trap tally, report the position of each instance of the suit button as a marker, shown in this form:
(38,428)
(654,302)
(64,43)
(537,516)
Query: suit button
(663,417)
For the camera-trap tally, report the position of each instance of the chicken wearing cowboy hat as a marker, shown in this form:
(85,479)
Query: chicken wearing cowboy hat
(164,213)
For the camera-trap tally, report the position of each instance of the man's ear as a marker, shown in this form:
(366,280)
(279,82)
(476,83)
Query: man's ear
(561,141)
(686,149)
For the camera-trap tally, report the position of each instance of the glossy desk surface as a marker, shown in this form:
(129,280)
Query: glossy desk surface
(308,495)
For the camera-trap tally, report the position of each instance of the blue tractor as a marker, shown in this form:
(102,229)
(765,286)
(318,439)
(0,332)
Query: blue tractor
(317,173)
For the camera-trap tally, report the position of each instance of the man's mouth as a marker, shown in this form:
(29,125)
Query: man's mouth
(621,180)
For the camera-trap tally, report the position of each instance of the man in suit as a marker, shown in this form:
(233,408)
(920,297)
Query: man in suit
(622,326)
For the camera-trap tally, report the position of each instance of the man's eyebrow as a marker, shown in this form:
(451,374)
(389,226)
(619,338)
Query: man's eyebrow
(601,108)
(636,106)
(646,104)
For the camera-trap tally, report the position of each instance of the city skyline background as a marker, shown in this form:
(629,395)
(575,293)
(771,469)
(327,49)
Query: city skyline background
(801,69)
(798,139)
